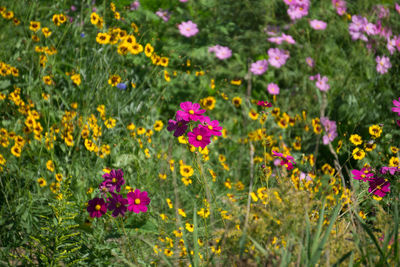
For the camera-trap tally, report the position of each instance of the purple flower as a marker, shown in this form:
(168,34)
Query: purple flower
(397,6)
(363,175)
(212,126)
(138,201)
(330,129)
(97,207)
(164,15)
(340,6)
(318,24)
(179,126)
(135,5)
(285,160)
(188,28)
(396,107)
(121,86)
(379,186)
(259,67)
(221,52)
(356,28)
(199,137)
(114,180)
(190,111)
(273,89)
(391,170)
(73,8)
(118,204)
(277,57)
(383,64)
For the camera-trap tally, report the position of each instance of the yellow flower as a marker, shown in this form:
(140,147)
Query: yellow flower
(114,80)
(94,18)
(158,125)
(237,101)
(148,50)
(135,27)
(164,61)
(167,77)
(103,38)
(182,212)
(162,176)
(50,165)
(236,82)
(189,227)
(90,145)
(47,80)
(169,203)
(168,252)
(186,181)
(358,154)
(42,182)
(208,103)
(34,26)
(356,139)
(59,177)
(253,114)
(110,123)
(16,150)
(76,79)
(394,149)
(54,187)
(394,162)
(375,131)
(186,170)
(163,216)
(46,32)
(339,146)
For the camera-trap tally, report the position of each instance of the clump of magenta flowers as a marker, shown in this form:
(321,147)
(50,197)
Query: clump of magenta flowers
(112,200)
(191,113)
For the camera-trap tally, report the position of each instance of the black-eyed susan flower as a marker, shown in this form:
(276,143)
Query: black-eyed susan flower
(59,177)
(394,162)
(158,125)
(135,48)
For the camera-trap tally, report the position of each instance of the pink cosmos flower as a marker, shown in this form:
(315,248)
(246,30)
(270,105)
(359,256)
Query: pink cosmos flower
(318,24)
(391,45)
(259,67)
(391,170)
(135,5)
(97,207)
(138,201)
(212,126)
(322,83)
(340,6)
(163,14)
(305,176)
(277,57)
(383,64)
(298,8)
(188,28)
(370,29)
(397,6)
(285,160)
(379,186)
(221,52)
(273,89)
(199,137)
(330,130)
(396,107)
(310,62)
(183,1)
(362,175)
(288,38)
(190,111)
(118,204)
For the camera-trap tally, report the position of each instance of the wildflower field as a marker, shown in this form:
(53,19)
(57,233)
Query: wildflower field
(199,133)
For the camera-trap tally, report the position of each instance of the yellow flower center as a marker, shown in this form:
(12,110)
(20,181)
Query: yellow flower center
(199,138)
(98,207)
(210,127)
(191,112)
(118,205)
(137,201)
(114,180)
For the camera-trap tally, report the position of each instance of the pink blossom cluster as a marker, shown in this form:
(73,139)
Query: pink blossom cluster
(297,8)
(277,57)
(378,185)
(340,6)
(201,135)
(321,82)
(283,38)
(110,199)
(221,52)
(360,26)
(330,130)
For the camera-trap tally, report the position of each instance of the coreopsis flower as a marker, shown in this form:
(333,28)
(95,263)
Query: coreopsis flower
(34,26)
(236,101)
(114,180)
(356,139)
(396,107)
(199,137)
(277,57)
(221,52)
(138,201)
(383,64)
(188,28)
(103,38)
(273,89)
(375,131)
(259,67)
(114,80)
(118,204)
(318,24)
(42,182)
(363,175)
(379,186)
(286,160)
(358,154)
(97,207)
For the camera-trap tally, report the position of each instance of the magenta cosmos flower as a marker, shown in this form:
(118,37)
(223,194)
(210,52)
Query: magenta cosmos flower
(277,57)
(212,126)
(188,28)
(318,24)
(190,111)
(285,160)
(362,175)
(396,107)
(199,137)
(221,52)
(383,64)
(259,67)
(138,201)
(379,187)
(97,207)
(118,204)
(391,170)
(114,180)
(273,89)
(264,104)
